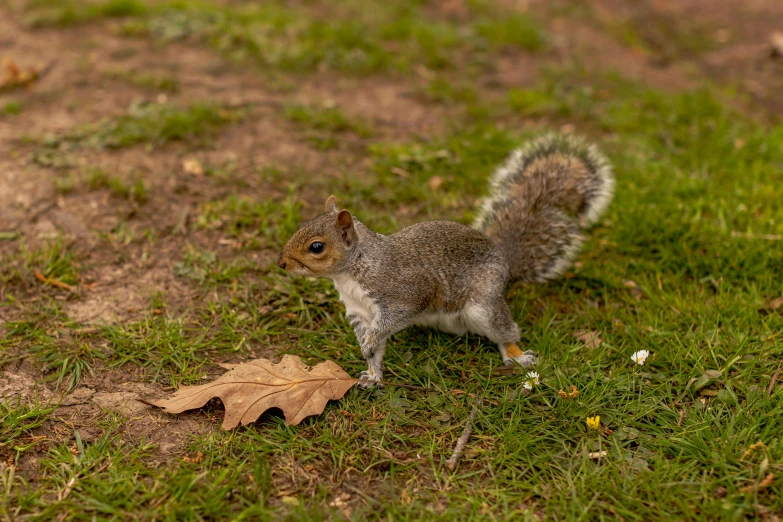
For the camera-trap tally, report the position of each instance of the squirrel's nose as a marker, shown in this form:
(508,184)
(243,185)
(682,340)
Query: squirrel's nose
(281,261)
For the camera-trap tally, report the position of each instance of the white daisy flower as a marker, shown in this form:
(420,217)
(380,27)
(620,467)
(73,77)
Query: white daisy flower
(531,379)
(640,357)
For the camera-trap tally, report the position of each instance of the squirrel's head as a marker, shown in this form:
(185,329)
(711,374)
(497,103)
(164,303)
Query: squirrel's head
(319,246)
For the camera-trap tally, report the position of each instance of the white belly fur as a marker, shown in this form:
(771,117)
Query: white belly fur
(357,301)
(450,322)
(472,318)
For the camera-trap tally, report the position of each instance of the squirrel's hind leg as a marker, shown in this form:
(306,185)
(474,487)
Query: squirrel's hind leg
(513,354)
(493,320)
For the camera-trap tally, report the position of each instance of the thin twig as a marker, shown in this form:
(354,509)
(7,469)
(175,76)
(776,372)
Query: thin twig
(367,498)
(463,439)
(52,281)
(406,386)
(682,416)
(750,235)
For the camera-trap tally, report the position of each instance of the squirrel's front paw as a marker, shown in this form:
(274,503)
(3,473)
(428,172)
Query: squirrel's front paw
(370,380)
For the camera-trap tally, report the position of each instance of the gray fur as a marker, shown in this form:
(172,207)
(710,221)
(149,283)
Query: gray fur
(436,266)
(540,199)
(453,276)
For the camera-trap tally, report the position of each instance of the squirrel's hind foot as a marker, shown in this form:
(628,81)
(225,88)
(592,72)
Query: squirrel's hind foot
(513,355)
(370,380)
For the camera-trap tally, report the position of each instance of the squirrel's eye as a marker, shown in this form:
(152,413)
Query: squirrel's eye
(317,247)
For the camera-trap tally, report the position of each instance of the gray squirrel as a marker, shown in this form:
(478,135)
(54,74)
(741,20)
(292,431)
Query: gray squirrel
(454,277)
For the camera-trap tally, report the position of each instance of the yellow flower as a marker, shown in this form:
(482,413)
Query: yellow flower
(594,423)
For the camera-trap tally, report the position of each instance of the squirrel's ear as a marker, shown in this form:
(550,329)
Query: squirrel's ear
(331,204)
(344,220)
(344,223)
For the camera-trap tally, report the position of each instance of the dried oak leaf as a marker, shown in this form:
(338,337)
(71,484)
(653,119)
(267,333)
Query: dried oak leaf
(771,306)
(591,339)
(14,76)
(251,388)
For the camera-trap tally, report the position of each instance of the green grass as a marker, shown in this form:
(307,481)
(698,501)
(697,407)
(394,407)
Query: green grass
(323,125)
(696,146)
(666,38)
(356,38)
(167,347)
(513,30)
(57,13)
(158,124)
(55,259)
(700,278)
(57,344)
(255,223)
(175,349)
(153,124)
(441,90)
(10,108)
(17,420)
(96,178)
(353,37)
(100,179)
(682,265)
(66,184)
(678,443)
(110,469)
(148,82)
(441,176)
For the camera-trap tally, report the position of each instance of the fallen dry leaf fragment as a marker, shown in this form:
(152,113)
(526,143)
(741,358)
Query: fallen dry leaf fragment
(249,389)
(771,306)
(761,486)
(193,166)
(591,339)
(198,459)
(14,76)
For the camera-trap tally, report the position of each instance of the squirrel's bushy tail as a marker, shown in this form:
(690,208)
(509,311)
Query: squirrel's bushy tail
(541,198)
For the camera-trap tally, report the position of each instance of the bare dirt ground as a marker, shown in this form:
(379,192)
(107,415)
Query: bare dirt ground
(118,279)
(730,42)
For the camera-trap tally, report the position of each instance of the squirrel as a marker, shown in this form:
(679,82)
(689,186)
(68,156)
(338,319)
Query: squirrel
(453,277)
